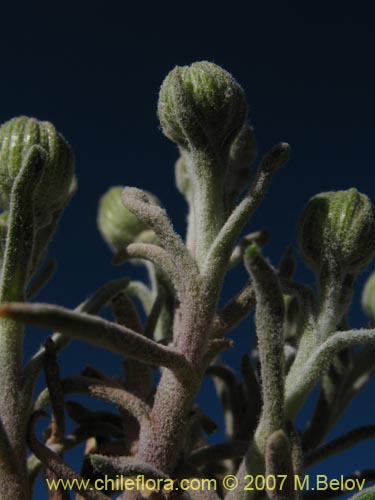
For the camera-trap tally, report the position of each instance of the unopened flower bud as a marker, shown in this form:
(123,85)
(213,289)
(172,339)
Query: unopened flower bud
(338,227)
(17,136)
(118,226)
(201,106)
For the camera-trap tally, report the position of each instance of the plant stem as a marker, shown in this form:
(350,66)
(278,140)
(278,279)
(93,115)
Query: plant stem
(15,274)
(161,447)
(208,204)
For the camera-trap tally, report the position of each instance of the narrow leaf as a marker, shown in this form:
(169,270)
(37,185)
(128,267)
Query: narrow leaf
(92,305)
(101,390)
(126,313)
(279,463)
(220,250)
(99,332)
(82,415)
(156,217)
(342,443)
(253,397)
(153,316)
(125,466)
(261,238)
(228,389)
(124,399)
(236,310)
(301,379)
(214,348)
(269,321)
(177,275)
(52,461)
(56,393)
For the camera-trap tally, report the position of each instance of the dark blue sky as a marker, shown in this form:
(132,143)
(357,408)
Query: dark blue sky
(94,70)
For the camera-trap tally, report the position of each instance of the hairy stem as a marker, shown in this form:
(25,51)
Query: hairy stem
(174,398)
(15,274)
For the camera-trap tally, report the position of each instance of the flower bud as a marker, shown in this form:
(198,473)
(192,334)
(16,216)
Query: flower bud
(53,191)
(118,226)
(201,106)
(368,297)
(338,227)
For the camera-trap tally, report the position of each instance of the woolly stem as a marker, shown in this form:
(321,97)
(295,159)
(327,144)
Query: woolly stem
(174,398)
(208,200)
(329,313)
(15,275)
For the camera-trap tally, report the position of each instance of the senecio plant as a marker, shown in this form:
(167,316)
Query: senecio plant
(158,432)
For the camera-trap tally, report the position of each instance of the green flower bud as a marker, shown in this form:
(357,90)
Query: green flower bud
(118,226)
(368,297)
(201,106)
(53,191)
(338,227)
